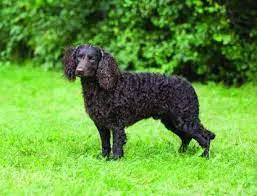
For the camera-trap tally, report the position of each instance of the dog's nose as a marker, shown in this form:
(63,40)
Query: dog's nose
(79,72)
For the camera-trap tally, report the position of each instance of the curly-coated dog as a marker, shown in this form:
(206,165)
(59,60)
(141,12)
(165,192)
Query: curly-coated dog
(115,99)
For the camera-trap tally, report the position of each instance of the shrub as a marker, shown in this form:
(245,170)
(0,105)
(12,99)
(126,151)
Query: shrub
(202,40)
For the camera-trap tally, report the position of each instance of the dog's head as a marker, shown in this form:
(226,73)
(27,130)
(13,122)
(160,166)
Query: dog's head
(87,61)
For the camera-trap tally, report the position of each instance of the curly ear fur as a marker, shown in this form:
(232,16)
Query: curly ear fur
(69,62)
(107,72)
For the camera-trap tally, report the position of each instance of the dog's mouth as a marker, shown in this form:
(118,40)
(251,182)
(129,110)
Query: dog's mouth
(79,73)
(85,73)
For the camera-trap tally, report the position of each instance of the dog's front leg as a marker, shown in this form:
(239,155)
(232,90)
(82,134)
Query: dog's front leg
(105,140)
(119,139)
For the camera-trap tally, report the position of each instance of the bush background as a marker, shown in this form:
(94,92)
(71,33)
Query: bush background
(202,40)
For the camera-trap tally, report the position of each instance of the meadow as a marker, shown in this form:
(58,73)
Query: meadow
(49,146)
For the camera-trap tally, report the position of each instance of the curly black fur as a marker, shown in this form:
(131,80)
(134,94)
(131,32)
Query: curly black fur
(115,100)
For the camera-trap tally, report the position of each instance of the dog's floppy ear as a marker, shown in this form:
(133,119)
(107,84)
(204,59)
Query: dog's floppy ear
(107,72)
(69,61)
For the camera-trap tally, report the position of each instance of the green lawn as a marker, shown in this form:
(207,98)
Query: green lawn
(48,145)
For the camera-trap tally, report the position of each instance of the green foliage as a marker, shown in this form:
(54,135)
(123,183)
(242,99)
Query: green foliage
(200,39)
(41,29)
(49,146)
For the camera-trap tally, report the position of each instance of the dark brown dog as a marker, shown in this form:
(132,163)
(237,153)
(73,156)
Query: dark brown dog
(115,99)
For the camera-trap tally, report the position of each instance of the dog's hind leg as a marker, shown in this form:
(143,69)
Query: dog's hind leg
(198,132)
(208,136)
(185,137)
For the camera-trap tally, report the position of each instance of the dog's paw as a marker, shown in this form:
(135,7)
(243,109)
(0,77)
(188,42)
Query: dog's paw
(105,153)
(205,154)
(102,156)
(116,157)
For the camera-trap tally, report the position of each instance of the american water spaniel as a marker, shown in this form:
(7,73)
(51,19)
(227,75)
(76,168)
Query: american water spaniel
(115,100)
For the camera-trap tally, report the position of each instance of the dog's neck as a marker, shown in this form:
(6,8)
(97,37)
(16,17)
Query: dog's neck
(93,95)
(89,83)
(90,86)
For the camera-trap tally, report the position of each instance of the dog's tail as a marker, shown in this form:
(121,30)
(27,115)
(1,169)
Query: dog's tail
(210,134)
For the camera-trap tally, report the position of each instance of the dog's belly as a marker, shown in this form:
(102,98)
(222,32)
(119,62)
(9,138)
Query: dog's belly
(131,112)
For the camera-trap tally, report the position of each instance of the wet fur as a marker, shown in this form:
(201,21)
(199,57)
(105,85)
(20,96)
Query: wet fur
(115,100)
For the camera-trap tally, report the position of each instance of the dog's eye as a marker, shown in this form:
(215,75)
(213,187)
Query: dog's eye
(91,58)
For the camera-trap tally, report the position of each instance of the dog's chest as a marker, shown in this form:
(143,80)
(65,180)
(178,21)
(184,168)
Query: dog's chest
(98,104)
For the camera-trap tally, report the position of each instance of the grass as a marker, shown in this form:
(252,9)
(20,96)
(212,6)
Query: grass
(48,145)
